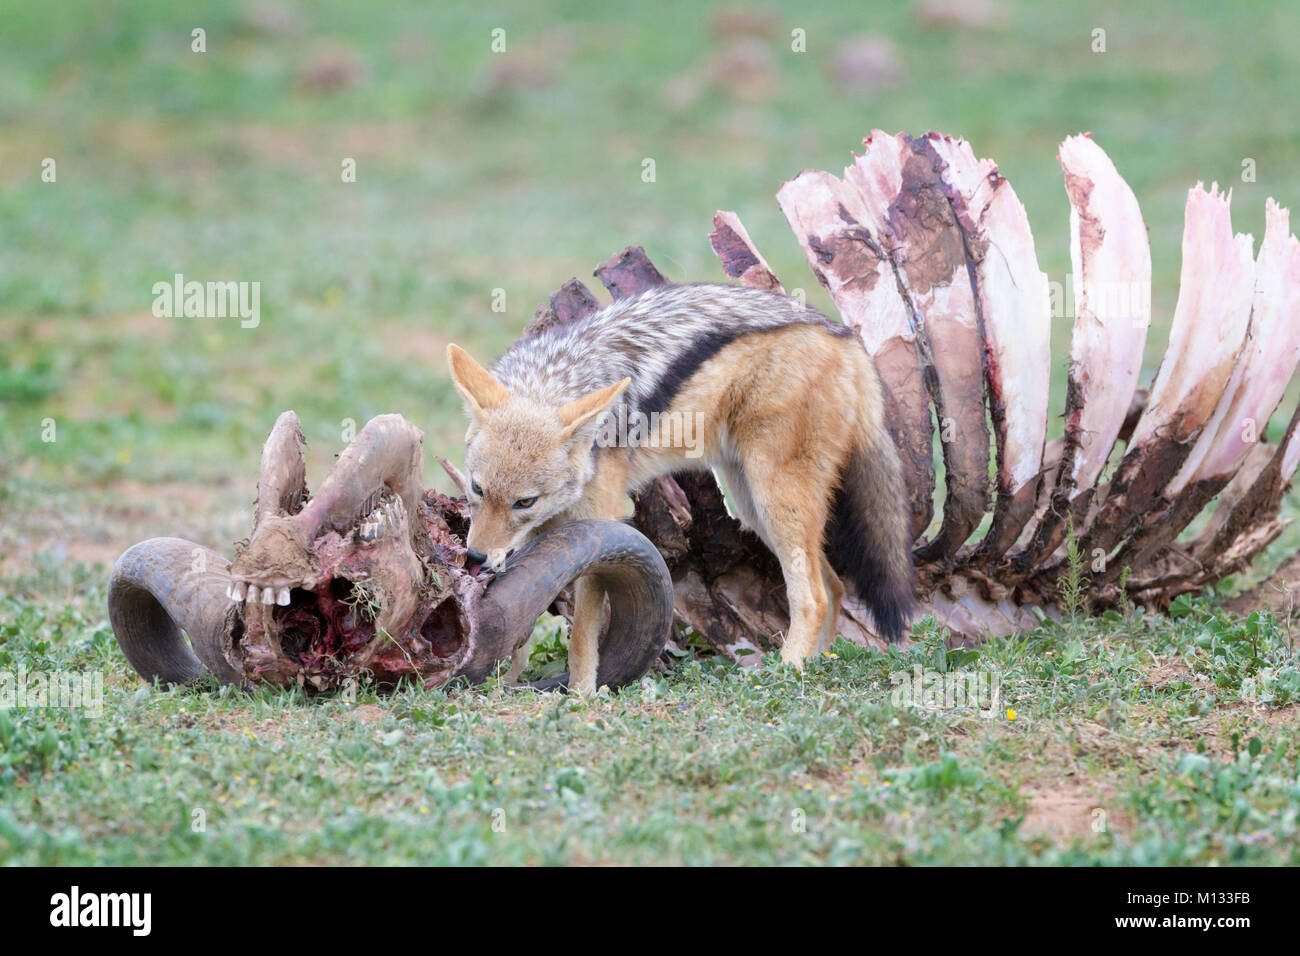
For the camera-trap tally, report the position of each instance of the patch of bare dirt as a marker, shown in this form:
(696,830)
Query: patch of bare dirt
(368,713)
(959,14)
(122,325)
(271,729)
(1215,729)
(271,142)
(149,142)
(96,524)
(1067,807)
(333,66)
(302,148)
(1245,719)
(1169,671)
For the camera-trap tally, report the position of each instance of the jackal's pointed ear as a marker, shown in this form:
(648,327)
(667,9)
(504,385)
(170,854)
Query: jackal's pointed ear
(475,383)
(580,411)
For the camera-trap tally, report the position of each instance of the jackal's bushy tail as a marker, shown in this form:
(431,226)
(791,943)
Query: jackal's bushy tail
(869,533)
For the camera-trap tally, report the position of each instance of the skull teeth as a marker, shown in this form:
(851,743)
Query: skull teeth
(385,519)
(255,595)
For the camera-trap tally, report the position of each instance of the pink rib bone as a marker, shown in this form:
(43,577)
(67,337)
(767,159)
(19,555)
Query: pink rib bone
(1012,294)
(1290,456)
(1205,342)
(1272,351)
(900,180)
(740,260)
(1215,290)
(831,221)
(1111,261)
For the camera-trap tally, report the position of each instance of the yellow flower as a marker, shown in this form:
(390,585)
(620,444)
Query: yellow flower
(1011,713)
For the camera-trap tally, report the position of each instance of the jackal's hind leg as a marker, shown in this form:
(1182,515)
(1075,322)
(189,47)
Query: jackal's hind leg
(790,510)
(835,588)
(806,594)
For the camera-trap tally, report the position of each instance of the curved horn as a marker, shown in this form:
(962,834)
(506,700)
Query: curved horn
(621,558)
(282,477)
(160,587)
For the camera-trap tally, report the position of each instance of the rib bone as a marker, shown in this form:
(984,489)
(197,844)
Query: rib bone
(1209,328)
(925,246)
(1111,262)
(1013,303)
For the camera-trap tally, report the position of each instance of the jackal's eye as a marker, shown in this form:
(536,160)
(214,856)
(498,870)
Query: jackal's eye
(523,503)
(473,486)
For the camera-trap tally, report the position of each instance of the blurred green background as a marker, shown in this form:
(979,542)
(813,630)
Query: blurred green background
(481,170)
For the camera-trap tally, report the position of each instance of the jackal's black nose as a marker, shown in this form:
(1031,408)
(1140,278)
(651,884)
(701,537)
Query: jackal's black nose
(475,557)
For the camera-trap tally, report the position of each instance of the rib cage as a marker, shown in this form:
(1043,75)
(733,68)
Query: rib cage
(927,253)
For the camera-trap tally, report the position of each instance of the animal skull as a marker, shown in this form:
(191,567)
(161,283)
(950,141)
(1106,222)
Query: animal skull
(370,577)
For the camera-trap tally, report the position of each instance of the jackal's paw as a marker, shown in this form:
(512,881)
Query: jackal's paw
(276,560)
(518,661)
(792,658)
(584,688)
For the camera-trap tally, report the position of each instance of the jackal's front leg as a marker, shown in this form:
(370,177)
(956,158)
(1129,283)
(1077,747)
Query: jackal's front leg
(518,661)
(584,636)
(604,498)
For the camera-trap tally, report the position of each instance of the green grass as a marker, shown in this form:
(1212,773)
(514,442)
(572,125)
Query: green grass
(225,165)
(1134,740)
(478,172)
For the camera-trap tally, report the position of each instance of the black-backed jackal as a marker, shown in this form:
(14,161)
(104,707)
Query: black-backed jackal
(784,404)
